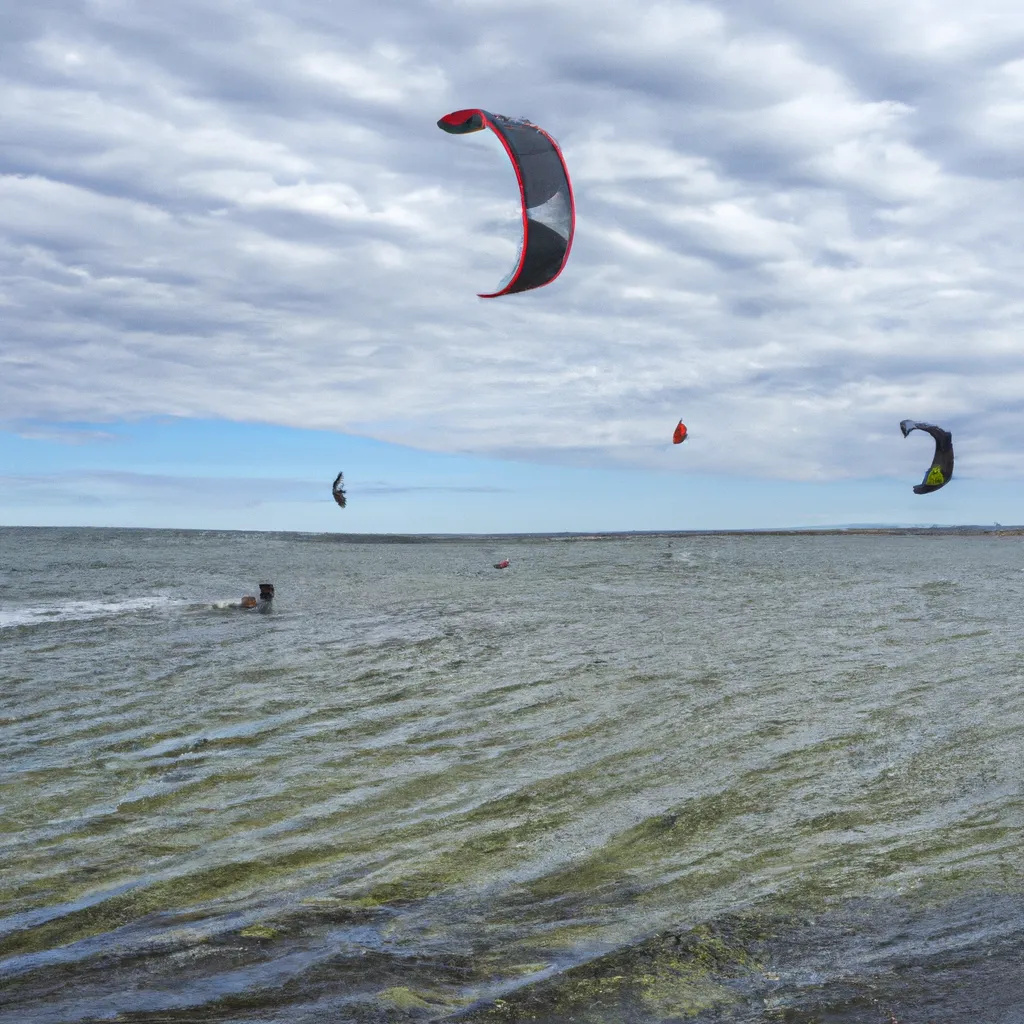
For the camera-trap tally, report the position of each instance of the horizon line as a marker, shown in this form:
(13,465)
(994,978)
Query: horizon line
(836,530)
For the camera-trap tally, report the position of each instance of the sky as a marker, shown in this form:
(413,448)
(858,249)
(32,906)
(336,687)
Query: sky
(237,256)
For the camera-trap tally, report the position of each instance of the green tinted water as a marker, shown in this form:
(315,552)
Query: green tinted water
(419,781)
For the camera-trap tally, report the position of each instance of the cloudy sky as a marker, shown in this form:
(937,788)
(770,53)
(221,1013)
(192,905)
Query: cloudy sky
(237,255)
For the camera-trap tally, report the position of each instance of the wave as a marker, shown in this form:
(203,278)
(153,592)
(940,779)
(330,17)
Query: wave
(73,611)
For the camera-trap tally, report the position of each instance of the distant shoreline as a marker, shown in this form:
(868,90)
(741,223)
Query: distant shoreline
(571,536)
(809,531)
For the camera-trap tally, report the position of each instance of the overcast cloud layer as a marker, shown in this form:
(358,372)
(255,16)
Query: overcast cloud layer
(796,223)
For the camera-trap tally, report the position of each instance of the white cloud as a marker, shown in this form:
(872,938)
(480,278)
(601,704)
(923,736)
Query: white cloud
(387,75)
(795,223)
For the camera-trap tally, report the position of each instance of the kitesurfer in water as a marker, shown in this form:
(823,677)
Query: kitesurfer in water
(265,599)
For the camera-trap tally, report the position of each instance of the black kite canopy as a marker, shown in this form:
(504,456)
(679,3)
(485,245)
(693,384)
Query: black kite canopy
(338,490)
(549,214)
(940,472)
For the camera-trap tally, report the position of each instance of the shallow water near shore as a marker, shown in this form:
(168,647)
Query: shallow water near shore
(702,778)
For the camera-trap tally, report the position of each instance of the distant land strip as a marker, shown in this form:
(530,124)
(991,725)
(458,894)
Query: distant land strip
(567,535)
(796,531)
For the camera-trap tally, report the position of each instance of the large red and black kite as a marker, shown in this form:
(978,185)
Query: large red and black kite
(549,214)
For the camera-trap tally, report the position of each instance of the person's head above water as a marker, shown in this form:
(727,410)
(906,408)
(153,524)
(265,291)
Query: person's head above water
(266,596)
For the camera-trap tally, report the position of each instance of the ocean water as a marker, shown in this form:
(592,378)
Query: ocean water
(705,778)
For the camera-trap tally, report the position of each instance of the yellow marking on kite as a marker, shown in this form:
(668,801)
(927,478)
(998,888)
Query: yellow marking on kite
(935,476)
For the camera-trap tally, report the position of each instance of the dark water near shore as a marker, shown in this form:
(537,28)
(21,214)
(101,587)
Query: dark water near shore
(717,778)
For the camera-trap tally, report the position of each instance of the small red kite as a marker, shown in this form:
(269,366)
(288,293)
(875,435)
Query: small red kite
(680,435)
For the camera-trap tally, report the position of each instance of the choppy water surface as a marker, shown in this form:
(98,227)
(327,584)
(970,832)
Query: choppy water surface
(711,778)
